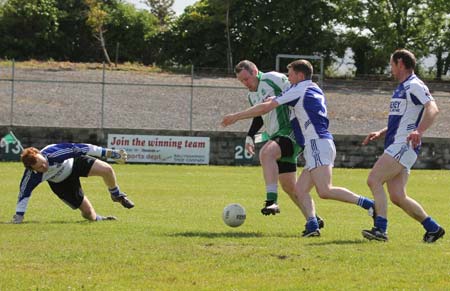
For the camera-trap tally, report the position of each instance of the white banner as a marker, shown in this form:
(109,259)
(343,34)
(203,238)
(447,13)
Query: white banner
(162,149)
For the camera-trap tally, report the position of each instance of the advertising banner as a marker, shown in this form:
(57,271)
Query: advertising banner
(162,149)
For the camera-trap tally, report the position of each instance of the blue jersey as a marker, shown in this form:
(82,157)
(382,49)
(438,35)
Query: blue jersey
(406,109)
(60,163)
(310,110)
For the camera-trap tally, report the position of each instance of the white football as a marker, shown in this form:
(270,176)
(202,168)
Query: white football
(234,215)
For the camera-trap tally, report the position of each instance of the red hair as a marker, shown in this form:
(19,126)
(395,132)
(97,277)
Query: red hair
(28,157)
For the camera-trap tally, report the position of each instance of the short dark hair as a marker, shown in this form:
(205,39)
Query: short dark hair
(408,58)
(245,65)
(302,66)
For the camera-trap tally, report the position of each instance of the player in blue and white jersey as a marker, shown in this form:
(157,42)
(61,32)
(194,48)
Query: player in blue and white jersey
(62,165)
(412,111)
(310,111)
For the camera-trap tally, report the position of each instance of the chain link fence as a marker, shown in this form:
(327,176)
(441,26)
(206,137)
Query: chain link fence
(194,100)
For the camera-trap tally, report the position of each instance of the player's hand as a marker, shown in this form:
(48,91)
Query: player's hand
(228,119)
(250,145)
(371,136)
(415,138)
(119,156)
(17,219)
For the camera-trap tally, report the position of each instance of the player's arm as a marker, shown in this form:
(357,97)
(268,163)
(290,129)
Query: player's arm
(256,125)
(374,135)
(256,110)
(29,181)
(64,151)
(429,115)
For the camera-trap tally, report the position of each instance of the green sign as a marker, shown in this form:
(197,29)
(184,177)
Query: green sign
(10,148)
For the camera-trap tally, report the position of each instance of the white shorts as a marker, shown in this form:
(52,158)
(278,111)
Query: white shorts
(403,153)
(319,152)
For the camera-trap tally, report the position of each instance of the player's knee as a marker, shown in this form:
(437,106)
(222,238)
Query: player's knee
(107,170)
(324,193)
(397,200)
(288,188)
(267,153)
(372,181)
(89,215)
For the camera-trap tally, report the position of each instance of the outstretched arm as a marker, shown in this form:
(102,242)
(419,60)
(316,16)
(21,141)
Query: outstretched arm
(256,110)
(64,151)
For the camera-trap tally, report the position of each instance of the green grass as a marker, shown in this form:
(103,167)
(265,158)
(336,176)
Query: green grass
(174,239)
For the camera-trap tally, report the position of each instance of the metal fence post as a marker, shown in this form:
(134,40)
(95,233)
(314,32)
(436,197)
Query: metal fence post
(103,98)
(192,97)
(13,72)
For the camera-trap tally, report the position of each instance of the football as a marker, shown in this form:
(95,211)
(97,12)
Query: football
(234,215)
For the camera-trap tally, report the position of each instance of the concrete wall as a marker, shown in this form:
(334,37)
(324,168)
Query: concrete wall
(227,147)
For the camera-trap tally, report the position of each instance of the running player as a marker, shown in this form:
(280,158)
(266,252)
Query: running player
(412,111)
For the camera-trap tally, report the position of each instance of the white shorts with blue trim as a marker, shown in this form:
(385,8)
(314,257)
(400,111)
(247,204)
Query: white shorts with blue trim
(319,152)
(403,153)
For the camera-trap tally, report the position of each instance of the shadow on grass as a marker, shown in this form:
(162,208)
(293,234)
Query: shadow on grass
(237,234)
(337,242)
(217,234)
(51,222)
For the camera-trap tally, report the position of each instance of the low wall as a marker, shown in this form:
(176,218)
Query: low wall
(227,147)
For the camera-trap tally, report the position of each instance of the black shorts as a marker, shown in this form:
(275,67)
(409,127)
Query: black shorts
(284,167)
(287,150)
(286,146)
(70,190)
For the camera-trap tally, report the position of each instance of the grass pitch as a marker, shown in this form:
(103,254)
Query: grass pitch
(174,239)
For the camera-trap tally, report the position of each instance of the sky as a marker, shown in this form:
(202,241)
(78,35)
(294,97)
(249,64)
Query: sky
(178,5)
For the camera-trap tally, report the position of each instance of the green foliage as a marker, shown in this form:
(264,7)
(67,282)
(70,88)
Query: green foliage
(174,239)
(58,29)
(218,33)
(259,30)
(74,38)
(162,9)
(385,25)
(263,29)
(196,37)
(132,29)
(28,28)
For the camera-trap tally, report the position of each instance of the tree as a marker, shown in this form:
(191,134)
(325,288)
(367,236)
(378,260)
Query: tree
(28,28)
(162,9)
(97,18)
(74,36)
(132,29)
(196,37)
(440,29)
(388,25)
(256,30)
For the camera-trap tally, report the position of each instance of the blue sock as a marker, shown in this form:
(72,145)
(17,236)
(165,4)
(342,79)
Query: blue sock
(381,223)
(114,191)
(98,218)
(312,224)
(365,202)
(430,225)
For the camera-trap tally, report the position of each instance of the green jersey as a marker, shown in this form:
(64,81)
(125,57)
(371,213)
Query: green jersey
(277,121)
